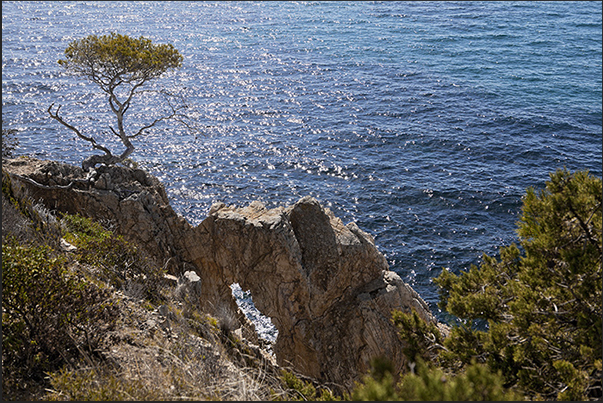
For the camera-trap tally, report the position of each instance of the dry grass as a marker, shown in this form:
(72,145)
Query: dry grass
(155,357)
(162,348)
(29,222)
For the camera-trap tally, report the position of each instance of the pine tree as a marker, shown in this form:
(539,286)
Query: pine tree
(541,299)
(120,66)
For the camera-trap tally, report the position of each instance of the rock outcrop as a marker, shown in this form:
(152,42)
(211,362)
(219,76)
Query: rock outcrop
(326,287)
(135,202)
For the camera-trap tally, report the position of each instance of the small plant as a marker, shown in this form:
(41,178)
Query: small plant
(9,142)
(130,163)
(81,230)
(298,389)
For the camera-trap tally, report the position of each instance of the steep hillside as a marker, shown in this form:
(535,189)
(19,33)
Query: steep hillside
(89,315)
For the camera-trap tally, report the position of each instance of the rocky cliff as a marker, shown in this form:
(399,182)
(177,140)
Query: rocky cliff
(326,287)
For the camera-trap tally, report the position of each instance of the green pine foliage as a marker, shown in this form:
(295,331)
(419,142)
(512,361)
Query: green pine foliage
(374,389)
(429,383)
(422,340)
(380,384)
(541,299)
(475,383)
(107,57)
(530,319)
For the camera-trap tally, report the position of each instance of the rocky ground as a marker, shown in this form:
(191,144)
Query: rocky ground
(167,349)
(326,287)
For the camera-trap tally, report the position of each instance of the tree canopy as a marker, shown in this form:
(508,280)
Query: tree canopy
(113,60)
(120,66)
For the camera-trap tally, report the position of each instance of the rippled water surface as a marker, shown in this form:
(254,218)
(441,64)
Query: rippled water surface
(422,122)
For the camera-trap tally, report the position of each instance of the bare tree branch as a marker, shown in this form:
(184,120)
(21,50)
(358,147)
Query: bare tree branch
(91,140)
(142,129)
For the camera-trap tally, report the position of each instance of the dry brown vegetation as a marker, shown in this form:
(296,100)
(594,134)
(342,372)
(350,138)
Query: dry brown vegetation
(145,341)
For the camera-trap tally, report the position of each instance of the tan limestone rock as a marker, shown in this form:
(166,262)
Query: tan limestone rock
(325,285)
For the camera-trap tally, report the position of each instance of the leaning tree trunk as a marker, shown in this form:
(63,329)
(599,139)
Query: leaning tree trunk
(108,158)
(119,108)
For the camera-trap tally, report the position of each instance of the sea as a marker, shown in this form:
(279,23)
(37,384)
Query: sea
(423,122)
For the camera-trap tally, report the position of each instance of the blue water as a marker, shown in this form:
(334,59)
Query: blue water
(422,122)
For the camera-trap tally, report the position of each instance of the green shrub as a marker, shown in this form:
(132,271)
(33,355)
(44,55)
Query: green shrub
(541,299)
(81,230)
(428,383)
(476,383)
(122,264)
(50,316)
(540,302)
(89,384)
(421,340)
(379,385)
(298,390)
(25,219)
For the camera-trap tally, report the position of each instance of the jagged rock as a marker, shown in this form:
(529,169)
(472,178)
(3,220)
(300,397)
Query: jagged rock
(136,203)
(66,246)
(326,287)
